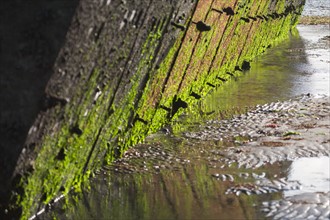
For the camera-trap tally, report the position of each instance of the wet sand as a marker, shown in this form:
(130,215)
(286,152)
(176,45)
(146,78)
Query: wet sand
(280,131)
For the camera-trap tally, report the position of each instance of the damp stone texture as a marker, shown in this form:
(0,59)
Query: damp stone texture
(126,69)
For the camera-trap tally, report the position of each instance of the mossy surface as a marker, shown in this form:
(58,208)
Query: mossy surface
(106,115)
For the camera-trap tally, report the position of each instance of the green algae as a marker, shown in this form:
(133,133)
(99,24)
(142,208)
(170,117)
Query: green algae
(120,130)
(290,133)
(48,179)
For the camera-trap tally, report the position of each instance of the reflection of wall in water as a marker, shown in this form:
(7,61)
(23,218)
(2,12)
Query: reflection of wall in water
(190,193)
(270,78)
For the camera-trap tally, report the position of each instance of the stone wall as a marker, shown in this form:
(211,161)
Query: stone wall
(127,68)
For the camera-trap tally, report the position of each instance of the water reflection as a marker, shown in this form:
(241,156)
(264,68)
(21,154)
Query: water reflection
(313,173)
(170,178)
(315,78)
(300,65)
(190,194)
(317,8)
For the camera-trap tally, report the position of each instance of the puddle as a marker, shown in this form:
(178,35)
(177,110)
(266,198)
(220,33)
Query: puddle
(316,8)
(311,201)
(313,174)
(203,176)
(297,66)
(315,72)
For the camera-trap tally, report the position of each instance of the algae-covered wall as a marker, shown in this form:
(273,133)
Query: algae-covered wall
(129,67)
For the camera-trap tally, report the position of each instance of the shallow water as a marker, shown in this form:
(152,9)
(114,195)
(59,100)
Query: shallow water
(317,8)
(297,66)
(313,174)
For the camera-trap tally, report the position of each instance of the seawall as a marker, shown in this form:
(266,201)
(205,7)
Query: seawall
(128,68)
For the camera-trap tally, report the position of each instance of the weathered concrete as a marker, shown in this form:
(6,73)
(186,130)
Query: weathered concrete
(126,70)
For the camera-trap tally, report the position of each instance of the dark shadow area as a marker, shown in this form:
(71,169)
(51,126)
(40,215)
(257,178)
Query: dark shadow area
(31,35)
